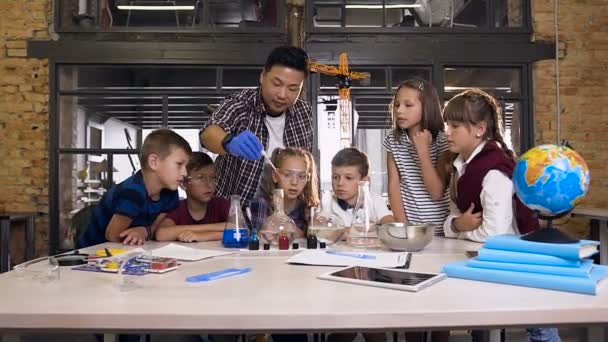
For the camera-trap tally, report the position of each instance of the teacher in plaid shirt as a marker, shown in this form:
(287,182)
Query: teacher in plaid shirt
(250,121)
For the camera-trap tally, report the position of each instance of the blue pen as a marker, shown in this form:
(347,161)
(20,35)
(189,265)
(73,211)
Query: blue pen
(229,272)
(352,255)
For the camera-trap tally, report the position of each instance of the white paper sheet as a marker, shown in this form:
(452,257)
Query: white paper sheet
(323,258)
(180,252)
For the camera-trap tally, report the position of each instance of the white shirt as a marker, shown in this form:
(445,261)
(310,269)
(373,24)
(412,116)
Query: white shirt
(330,206)
(276,129)
(496,201)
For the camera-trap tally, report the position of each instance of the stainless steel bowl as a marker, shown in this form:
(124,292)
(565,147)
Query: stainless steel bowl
(406,237)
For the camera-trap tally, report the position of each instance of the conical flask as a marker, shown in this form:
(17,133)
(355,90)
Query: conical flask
(326,226)
(236,233)
(271,227)
(363,231)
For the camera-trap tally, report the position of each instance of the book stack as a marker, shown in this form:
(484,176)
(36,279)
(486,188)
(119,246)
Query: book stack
(507,259)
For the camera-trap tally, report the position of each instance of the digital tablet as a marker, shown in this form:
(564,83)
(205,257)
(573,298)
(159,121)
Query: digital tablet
(383,277)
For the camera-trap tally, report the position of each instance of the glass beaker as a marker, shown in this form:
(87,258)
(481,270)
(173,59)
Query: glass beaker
(271,227)
(363,231)
(236,233)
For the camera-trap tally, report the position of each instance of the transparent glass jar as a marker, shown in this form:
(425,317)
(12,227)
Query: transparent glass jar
(363,231)
(326,226)
(271,227)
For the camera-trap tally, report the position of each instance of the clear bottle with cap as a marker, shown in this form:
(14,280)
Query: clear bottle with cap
(271,227)
(236,233)
(363,231)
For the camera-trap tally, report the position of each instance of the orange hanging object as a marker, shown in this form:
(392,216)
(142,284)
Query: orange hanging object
(345,78)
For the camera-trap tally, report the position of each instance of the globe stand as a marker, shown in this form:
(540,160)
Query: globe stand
(549,233)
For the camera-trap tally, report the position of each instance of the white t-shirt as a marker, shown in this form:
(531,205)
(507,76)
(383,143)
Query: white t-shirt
(331,206)
(276,129)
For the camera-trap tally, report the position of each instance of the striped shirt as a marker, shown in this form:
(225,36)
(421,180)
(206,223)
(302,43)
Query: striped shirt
(419,207)
(245,111)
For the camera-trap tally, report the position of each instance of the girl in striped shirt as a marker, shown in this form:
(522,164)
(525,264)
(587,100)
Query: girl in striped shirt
(417,190)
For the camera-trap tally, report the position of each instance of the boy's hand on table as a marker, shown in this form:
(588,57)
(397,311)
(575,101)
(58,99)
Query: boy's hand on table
(134,236)
(187,236)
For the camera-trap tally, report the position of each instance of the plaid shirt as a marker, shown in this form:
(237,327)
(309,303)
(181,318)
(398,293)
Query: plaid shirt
(245,110)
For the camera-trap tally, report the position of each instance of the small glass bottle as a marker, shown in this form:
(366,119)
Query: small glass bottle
(283,239)
(271,227)
(236,233)
(363,231)
(254,241)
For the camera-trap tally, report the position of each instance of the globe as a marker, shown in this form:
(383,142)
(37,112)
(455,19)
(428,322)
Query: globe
(551,179)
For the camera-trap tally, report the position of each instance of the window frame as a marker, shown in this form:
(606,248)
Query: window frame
(277,29)
(526,27)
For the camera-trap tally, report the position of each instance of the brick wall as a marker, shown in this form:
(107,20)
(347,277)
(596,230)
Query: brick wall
(24,94)
(583,35)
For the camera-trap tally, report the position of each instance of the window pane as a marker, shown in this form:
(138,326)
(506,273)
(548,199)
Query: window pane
(509,13)
(240,77)
(186,14)
(82,185)
(83,179)
(327,14)
(243,13)
(401,12)
(125,77)
(361,13)
(444,13)
(189,112)
(104,121)
(368,140)
(496,81)
(512,117)
(399,75)
(372,111)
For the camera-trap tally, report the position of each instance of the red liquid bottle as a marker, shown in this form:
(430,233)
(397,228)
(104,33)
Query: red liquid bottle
(283,239)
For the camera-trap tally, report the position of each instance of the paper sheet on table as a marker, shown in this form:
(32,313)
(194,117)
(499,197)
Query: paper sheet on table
(180,252)
(322,258)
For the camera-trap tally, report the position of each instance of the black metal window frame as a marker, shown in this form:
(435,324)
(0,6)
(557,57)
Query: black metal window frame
(278,29)
(526,27)
(436,70)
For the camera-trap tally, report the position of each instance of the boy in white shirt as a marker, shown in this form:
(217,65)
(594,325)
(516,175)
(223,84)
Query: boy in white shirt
(349,167)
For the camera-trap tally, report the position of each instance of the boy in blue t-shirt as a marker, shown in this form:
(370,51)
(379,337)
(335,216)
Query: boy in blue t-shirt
(132,210)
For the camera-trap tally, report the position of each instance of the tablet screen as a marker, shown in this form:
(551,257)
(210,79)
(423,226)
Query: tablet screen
(383,276)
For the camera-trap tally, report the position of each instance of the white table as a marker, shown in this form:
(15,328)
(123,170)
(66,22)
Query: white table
(277,297)
(601,216)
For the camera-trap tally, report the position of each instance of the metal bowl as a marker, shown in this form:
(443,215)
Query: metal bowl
(406,237)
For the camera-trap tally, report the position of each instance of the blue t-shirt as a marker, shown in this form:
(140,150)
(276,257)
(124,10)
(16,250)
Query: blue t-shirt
(129,198)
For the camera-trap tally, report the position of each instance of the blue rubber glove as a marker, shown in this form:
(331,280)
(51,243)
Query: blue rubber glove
(245,145)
